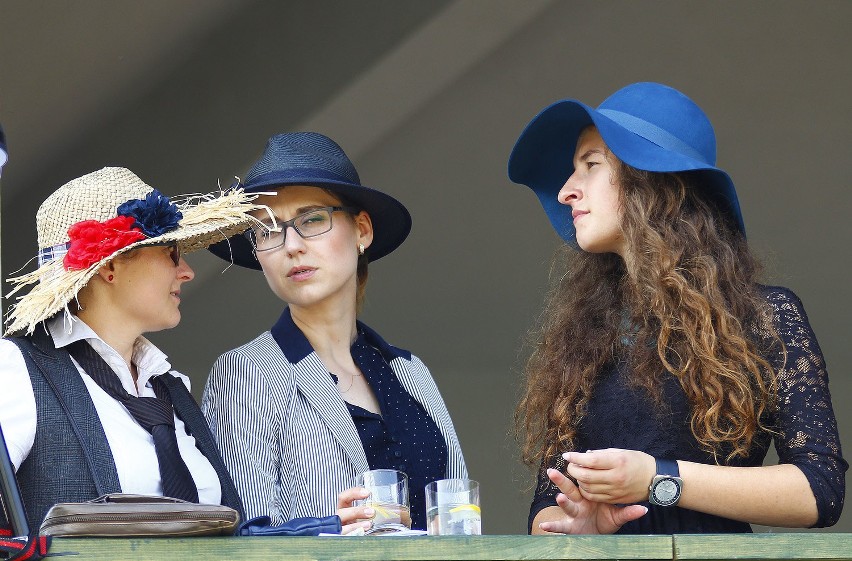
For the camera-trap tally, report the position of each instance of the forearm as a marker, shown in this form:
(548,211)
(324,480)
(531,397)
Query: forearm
(547,514)
(778,495)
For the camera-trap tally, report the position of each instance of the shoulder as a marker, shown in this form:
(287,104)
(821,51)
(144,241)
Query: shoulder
(780,296)
(16,345)
(257,362)
(262,348)
(12,362)
(787,307)
(389,351)
(10,346)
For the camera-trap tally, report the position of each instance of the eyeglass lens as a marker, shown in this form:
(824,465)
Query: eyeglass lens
(174,253)
(309,224)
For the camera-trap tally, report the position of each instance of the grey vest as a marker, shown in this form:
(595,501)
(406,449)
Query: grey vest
(71,460)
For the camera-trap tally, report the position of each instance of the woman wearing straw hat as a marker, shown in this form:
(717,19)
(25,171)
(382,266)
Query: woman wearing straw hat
(662,369)
(89,406)
(320,397)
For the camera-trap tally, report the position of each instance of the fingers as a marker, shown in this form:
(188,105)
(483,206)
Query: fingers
(611,475)
(608,458)
(349,528)
(555,527)
(628,513)
(354,517)
(564,484)
(354,514)
(348,496)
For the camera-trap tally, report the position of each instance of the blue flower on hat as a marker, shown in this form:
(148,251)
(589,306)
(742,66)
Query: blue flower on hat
(155,214)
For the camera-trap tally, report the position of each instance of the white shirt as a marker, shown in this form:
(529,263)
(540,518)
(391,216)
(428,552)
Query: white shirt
(132,446)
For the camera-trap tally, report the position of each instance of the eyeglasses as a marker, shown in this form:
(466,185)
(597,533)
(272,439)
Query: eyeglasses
(309,224)
(174,253)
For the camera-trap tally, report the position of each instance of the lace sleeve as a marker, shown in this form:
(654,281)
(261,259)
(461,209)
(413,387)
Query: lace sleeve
(545,490)
(807,430)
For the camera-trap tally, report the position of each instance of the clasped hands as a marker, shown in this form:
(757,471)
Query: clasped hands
(606,479)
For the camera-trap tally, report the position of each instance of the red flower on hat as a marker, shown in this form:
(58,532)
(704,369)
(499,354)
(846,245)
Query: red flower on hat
(91,240)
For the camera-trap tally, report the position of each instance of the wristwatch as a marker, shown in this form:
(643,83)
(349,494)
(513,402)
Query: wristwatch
(667,485)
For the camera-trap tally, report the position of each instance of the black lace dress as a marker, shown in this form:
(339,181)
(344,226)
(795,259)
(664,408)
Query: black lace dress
(619,416)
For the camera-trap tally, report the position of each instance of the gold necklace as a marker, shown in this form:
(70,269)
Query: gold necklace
(351,382)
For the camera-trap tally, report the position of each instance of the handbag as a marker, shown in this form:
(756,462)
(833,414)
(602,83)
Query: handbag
(119,514)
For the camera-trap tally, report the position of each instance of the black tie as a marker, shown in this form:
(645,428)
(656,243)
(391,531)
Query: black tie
(155,414)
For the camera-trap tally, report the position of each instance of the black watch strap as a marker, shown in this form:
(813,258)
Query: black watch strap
(667,467)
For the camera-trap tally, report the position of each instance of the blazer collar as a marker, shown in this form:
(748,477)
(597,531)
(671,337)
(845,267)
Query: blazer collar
(296,346)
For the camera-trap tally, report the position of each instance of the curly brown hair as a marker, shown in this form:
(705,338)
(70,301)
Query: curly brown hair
(684,302)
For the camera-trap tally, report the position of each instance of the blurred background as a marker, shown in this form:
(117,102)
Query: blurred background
(427,97)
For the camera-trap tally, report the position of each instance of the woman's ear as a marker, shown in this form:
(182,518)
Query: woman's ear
(364,227)
(107,272)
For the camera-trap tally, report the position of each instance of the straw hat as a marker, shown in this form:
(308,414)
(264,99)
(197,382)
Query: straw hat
(92,219)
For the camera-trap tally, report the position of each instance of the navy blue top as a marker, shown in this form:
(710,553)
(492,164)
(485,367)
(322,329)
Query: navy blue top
(622,416)
(403,437)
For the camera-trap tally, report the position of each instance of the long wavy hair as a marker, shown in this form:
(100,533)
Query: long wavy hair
(684,302)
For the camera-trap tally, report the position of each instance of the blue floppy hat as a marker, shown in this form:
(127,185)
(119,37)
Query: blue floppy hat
(648,126)
(310,158)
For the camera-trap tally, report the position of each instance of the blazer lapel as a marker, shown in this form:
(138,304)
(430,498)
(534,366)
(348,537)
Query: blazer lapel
(315,384)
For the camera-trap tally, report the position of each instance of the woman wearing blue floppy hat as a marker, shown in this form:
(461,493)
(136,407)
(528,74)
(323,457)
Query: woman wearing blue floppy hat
(320,397)
(662,370)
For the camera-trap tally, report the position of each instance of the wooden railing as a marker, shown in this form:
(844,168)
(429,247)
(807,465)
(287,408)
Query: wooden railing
(500,548)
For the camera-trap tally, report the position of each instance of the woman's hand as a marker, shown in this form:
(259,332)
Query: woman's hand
(354,517)
(612,475)
(583,516)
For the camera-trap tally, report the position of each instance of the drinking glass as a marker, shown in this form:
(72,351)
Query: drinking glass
(388,497)
(452,508)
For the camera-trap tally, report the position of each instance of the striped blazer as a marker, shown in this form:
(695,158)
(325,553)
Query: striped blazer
(285,433)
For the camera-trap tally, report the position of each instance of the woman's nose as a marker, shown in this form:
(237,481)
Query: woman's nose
(185,272)
(293,241)
(569,192)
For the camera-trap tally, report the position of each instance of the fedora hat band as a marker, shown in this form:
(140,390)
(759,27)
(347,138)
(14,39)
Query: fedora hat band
(291,176)
(653,133)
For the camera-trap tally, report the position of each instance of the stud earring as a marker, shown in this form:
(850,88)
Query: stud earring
(109,278)
(360,249)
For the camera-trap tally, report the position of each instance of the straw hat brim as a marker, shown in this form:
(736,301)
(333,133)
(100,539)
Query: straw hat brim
(215,218)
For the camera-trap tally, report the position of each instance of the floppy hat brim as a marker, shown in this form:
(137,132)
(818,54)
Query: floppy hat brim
(391,220)
(214,218)
(542,158)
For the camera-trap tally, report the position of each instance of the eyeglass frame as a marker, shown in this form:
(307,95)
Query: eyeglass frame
(175,253)
(283,225)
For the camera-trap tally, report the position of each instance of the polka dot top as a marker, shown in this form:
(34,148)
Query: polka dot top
(403,437)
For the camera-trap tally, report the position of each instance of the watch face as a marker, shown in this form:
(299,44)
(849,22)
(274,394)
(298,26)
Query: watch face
(666,492)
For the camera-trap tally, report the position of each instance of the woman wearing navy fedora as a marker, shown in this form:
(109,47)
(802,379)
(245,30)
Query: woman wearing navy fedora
(320,397)
(663,370)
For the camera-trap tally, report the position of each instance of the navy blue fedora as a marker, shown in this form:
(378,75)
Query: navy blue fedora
(310,158)
(648,126)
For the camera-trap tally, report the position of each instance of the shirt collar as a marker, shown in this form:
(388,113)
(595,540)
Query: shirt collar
(149,360)
(296,346)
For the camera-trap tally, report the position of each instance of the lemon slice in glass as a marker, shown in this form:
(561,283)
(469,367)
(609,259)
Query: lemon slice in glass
(468,510)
